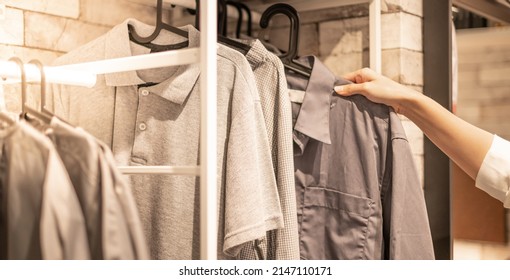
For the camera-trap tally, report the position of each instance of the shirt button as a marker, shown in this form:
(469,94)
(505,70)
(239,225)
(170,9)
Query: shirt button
(142,126)
(145,92)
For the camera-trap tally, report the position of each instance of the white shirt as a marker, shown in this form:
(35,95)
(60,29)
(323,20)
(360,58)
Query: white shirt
(494,174)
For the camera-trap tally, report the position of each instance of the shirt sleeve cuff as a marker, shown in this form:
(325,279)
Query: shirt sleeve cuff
(494,174)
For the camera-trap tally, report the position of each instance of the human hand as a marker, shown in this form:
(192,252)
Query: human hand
(377,88)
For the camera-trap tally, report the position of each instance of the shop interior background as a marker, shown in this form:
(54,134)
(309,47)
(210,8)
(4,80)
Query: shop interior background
(481,226)
(338,36)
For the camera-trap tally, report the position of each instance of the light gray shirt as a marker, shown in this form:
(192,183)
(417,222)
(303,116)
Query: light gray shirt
(40,210)
(105,198)
(148,124)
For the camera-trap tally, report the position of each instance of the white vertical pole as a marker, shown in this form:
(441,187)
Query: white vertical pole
(375,35)
(208,139)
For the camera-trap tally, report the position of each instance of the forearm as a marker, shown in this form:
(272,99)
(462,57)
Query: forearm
(462,142)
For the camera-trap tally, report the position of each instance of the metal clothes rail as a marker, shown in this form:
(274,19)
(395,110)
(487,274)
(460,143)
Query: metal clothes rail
(84,74)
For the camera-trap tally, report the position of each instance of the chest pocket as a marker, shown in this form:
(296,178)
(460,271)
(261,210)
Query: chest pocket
(334,225)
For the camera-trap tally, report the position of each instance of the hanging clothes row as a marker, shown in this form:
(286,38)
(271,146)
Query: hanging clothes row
(149,117)
(61,195)
(302,172)
(63,198)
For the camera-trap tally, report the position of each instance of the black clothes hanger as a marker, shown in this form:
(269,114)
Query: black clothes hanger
(288,59)
(196,14)
(239,19)
(242,48)
(240,7)
(222,17)
(249,19)
(146,41)
(26,110)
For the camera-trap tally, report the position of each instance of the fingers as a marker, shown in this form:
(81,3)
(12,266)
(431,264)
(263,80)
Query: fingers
(350,89)
(361,75)
(352,76)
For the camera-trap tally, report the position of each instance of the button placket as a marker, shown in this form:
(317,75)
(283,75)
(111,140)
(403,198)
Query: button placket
(139,153)
(142,126)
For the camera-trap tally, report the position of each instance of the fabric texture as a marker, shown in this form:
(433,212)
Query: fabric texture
(105,198)
(494,174)
(41,212)
(151,117)
(358,193)
(281,244)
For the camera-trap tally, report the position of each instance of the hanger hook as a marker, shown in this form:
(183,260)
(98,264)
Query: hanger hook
(197,14)
(157,28)
(292,14)
(222,17)
(21,66)
(40,66)
(239,19)
(249,19)
(159,25)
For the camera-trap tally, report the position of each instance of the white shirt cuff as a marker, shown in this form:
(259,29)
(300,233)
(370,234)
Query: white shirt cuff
(494,174)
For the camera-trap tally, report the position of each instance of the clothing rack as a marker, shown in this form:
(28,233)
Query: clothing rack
(375,52)
(84,74)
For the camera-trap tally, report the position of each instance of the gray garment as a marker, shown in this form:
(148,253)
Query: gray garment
(158,124)
(98,185)
(357,188)
(41,212)
(282,244)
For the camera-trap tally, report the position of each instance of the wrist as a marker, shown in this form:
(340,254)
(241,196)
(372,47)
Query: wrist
(409,101)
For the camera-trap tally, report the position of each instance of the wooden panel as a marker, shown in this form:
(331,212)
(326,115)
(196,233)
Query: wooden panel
(476,215)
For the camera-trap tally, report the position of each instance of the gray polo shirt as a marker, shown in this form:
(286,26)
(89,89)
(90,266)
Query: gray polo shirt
(148,124)
(357,188)
(41,214)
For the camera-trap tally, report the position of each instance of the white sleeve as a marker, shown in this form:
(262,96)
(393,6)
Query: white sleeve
(494,174)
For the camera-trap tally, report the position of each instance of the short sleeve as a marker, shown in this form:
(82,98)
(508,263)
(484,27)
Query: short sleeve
(494,174)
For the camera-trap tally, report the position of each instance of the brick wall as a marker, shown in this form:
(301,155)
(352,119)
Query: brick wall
(484,78)
(46,29)
(340,38)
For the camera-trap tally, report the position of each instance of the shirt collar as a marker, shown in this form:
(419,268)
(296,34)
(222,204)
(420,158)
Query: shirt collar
(257,54)
(178,86)
(313,118)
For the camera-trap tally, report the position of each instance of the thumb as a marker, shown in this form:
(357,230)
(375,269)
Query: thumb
(350,89)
